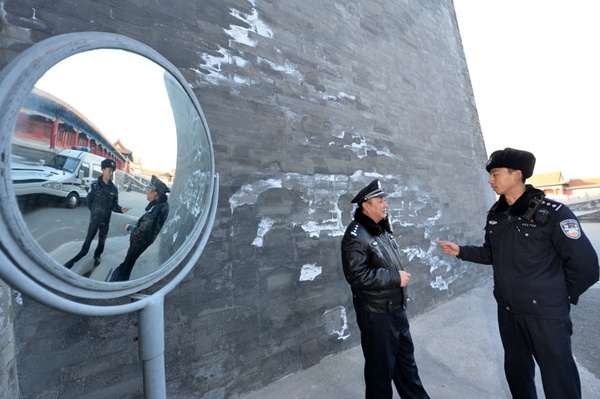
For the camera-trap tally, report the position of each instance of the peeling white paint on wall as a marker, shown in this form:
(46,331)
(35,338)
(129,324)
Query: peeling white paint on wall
(322,193)
(18,298)
(288,67)
(2,318)
(251,23)
(442,280)
(340,96)
(310,271)
(263,227)
(336,322)
(213,65)
(248,193)
(254,22)
(361,149)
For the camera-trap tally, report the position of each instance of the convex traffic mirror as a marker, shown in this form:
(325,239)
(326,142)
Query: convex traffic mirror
(68,104)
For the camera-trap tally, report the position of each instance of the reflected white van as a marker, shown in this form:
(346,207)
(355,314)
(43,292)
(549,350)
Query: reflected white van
(67,177)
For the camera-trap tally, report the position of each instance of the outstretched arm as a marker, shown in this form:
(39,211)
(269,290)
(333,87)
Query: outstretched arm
(448,247)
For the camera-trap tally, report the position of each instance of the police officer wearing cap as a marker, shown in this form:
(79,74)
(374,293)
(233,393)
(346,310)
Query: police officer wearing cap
(102,200)
(146,229)
(542,263)
(371,262)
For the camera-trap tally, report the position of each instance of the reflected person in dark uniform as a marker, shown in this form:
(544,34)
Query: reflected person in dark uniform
(146,229)
(102,200)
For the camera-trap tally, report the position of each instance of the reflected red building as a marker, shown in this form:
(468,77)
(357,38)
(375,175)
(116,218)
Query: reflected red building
(47,124)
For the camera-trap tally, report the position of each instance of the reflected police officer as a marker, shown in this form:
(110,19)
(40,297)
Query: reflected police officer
(102,200)
(371,262)
(146,229)
(542,263)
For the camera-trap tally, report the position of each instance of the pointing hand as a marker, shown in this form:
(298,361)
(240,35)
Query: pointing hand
(448,247)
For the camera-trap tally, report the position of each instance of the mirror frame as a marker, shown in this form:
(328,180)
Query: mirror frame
(25,265)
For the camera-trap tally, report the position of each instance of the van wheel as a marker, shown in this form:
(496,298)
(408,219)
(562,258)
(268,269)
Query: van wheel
(72,201)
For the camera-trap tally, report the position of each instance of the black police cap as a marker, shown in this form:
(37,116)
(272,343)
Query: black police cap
(157,185)
(371,191)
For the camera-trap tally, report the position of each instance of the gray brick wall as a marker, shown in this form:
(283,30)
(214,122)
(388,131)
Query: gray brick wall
(8,362)
(306,102)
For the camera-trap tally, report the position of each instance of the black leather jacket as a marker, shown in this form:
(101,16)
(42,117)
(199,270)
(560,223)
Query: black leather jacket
(541,260)
(149,225)
(371,262)
(102,200)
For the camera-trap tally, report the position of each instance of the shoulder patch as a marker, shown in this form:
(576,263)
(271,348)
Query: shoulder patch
(571,228)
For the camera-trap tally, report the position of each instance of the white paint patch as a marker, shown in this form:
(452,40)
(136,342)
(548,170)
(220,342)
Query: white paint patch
(288,67)
(2,318)
(18,298)
(341,94)
(216,66)
(310,271)
(248,193)
(322,192)
(263,228)
(256,25)
(361,149)
(336,322)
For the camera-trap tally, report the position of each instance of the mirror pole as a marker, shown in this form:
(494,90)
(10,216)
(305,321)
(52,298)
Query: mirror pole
(151,329)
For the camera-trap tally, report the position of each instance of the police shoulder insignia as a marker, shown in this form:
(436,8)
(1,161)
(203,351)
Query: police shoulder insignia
(571,228)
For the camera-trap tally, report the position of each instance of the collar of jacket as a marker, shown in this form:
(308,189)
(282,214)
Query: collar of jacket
(521,204)
(102,184)
(375,229)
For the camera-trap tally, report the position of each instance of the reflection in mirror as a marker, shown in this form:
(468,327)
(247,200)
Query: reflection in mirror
(116,105)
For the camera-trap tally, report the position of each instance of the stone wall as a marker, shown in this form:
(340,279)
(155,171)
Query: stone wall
(307,102)
(8,362)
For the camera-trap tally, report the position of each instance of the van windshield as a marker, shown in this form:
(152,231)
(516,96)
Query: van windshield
(61,162)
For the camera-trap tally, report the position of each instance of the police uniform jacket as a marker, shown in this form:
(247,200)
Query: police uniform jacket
(149,225)
(541,258)
(103,199)
(371,262)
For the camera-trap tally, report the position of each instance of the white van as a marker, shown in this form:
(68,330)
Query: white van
(67,177)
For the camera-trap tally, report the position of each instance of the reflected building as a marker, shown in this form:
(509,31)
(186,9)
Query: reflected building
(48,124)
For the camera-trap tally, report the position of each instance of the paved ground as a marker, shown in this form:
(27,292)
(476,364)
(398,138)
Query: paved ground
(458,352)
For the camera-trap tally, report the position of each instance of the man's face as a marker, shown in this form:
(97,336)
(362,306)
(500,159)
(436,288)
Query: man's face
(503,180)
(107,174)
(151,194)
(375,208)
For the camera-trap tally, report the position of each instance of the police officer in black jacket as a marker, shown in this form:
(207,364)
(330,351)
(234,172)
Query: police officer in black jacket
(102,200)
(146,229)
(371,262)
(542,263)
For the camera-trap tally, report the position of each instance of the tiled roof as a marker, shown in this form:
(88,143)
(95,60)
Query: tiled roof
(553,179)
(589,182)
(547,179)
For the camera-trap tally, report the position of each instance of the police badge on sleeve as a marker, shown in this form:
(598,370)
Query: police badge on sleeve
(571,228)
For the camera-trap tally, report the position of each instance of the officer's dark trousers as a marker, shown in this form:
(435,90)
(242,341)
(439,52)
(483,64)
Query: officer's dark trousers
(94,227)
(548,341)
(123,272)
(389,356)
